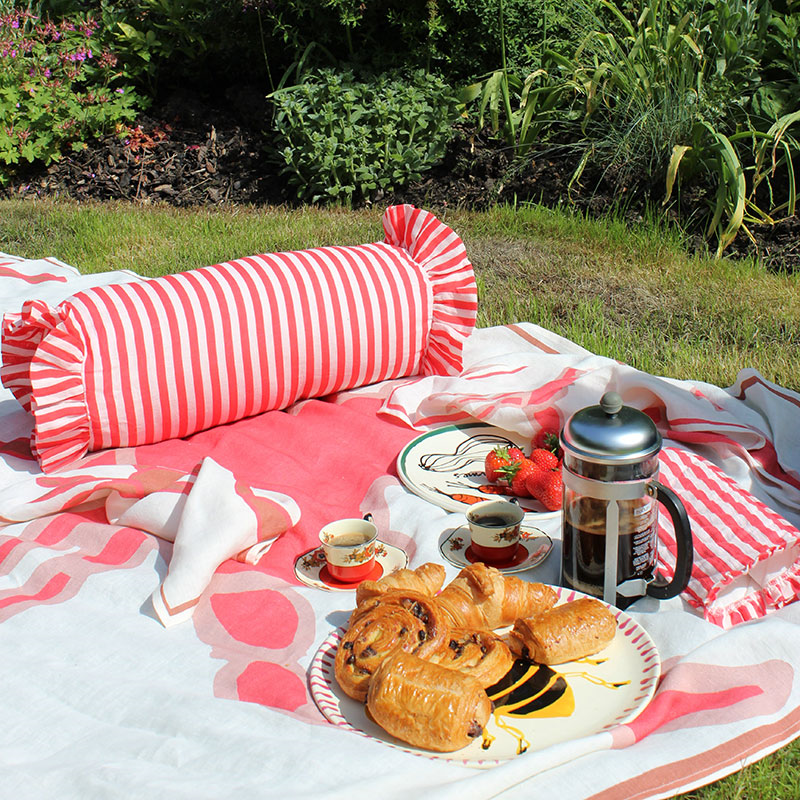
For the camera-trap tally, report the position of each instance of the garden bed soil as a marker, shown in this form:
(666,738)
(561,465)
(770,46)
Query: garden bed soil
(186,153)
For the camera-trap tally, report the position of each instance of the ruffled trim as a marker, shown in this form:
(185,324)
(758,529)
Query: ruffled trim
(22,334)
(43,357)
(783,589)
(438,250)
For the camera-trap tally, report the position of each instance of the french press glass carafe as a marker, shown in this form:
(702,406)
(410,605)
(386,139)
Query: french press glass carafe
(611,496)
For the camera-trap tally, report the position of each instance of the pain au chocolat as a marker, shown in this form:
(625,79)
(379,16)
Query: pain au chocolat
(565,633)
(427,705)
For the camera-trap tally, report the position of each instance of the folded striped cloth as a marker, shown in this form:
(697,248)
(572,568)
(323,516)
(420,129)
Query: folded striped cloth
(746,556)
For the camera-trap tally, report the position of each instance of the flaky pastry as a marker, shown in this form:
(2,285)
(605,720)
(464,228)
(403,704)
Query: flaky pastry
(483,598)
(481,654)
(565,633)
(398,620)
(426,579)
(427,705)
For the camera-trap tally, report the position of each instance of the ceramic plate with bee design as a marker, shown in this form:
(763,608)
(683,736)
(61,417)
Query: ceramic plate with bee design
(534,706)
(446,467)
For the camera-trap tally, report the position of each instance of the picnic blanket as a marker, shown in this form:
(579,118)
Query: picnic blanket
(106,696)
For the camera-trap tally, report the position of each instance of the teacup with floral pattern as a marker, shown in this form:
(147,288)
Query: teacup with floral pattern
(349,546)
(494,527)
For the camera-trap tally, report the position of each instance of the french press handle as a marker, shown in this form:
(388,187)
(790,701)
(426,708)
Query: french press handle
(683,537)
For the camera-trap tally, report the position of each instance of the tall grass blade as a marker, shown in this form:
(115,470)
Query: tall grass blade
(678,152)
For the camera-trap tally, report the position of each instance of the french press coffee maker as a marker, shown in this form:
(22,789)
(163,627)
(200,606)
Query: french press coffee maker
(611,496)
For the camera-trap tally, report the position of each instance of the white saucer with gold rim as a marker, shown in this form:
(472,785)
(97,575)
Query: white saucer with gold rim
(534,547)
(311,567)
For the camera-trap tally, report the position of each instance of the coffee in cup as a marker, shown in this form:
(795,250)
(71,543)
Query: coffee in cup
(494,527)
(349,546)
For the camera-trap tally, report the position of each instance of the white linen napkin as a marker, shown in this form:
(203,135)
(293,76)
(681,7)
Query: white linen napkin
(210,517)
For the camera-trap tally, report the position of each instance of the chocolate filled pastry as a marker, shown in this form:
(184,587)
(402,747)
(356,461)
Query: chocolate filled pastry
(482,598)
(406,621)
(426,579)
(427,705)
(565,633)
(481,654)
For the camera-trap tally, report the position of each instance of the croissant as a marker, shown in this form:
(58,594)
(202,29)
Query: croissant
(427,705)
(482,598)
(427,579)
(481,654)
(565,633)
(407,621)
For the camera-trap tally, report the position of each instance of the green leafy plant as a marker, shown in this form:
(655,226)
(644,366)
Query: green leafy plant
(180,37)
(58,86)
(735,203)
(517,109)
(680,94)
(341,139)
(643,90)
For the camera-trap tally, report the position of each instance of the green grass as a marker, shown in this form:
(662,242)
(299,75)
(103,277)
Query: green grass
(633,296)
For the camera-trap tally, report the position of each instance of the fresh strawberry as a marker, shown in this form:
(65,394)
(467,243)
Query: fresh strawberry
(546,459)
(495,461)
(517,474)
(547,439)
(547,487)
(515,454)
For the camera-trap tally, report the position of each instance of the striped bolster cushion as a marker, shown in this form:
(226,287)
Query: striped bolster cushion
(136,363)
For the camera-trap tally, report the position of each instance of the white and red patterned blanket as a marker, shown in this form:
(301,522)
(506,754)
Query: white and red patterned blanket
(101,701)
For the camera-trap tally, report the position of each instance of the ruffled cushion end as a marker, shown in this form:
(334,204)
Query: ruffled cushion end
(782,588)
(440,253)
(43,357)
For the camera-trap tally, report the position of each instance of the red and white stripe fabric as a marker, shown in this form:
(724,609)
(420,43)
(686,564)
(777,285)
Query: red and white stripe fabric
(746,556)
(140,362)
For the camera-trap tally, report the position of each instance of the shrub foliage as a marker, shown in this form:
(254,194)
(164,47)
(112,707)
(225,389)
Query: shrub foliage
(341,139)
(58,86)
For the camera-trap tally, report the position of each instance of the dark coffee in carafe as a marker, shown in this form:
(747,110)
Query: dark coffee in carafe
(584,547)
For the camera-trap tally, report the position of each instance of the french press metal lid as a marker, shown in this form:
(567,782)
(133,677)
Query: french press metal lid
(611,433)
